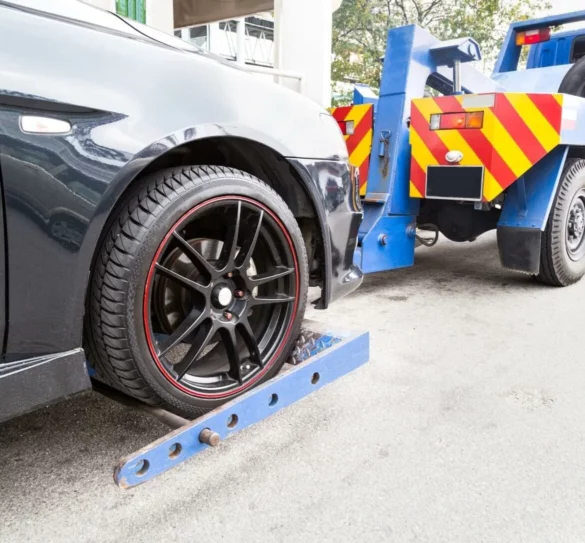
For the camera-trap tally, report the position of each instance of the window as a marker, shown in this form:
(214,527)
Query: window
(578,50)
(229,26)
(260,28)
(199,35)
(133,9)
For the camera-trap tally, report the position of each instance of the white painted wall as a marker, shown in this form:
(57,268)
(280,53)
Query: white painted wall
(159,15)
(110,5)
(303,32)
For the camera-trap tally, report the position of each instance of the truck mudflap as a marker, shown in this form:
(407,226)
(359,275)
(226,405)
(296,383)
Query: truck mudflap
(498,137)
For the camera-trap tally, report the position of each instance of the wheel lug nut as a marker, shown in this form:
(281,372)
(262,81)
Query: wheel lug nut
(239,293)
(228,316)
(230,275)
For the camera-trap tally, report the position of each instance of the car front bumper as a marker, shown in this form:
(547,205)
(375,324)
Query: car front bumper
(336,193)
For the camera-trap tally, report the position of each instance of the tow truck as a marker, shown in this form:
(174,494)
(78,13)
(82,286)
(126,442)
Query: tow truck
(446,149)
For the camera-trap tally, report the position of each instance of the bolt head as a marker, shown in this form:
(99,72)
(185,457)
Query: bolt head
(239,293)
(228,316)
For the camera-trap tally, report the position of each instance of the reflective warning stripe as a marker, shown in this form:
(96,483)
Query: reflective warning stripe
(517,132)
(359,144)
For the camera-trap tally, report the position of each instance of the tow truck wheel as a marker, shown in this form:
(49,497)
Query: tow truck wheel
(199,290)
(562,260)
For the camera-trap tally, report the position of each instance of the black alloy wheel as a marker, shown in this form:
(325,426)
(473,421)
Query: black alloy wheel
(200,289)
(216,310)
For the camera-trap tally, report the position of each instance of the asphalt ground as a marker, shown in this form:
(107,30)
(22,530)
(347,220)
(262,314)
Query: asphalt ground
(467,425)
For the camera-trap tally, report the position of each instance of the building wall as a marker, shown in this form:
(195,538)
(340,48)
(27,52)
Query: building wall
(110,5)
(159,13)
(288,49)
(296,20)
(221,38)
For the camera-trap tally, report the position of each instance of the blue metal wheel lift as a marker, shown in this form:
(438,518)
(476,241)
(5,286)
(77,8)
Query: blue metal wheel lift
(322,355)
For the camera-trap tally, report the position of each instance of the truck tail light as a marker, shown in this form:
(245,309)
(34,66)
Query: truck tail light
(347,127)
(530,37)
(457,121)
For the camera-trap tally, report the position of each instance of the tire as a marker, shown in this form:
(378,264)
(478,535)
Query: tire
(199,290)
(562,257)
(574,81)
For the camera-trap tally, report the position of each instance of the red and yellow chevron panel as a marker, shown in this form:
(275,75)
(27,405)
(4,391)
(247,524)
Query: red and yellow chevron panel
(518,130)
(357,125)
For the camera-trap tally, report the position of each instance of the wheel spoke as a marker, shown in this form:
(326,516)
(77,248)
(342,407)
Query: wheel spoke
(196,258)
(261,279)
(249,245)
(185,329)
(194,352)
(251,342)
(230,245)
(230,343)
(184,281)
(276,299)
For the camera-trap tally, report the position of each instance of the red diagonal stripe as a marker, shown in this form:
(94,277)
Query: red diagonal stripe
(364,171)
(360,132)
(550,108)
(435,145)
(418,176)
(481,146)
(449,104)
(340,113)
(518,129)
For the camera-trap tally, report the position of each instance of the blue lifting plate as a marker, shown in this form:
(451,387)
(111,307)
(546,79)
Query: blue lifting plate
(328,355)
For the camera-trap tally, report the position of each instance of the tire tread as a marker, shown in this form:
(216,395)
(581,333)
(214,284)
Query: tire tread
(106,329)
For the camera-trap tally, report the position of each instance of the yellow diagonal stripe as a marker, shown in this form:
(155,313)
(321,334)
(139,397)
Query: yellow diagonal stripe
(362,151)
(504,144)
(414,192)
(540,127)
(427,106)
(357,113)
(420,151)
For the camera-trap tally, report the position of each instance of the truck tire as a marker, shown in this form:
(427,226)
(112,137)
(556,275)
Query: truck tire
(562,257)
(199,290)
(574,81)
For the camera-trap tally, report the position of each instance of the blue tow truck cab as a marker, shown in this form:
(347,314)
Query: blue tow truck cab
(457,152)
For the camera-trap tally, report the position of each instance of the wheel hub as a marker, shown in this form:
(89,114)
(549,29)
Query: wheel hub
(221,296)
(576,226)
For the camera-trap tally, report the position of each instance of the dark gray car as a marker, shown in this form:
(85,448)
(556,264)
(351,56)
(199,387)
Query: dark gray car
(163,214)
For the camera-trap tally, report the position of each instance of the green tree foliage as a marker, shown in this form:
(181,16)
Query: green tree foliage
(360,28)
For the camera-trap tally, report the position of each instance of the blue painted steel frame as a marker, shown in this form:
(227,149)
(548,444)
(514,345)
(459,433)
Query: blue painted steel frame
(386,234)
(344,353)
(510,52)
(386,239)
(529,200)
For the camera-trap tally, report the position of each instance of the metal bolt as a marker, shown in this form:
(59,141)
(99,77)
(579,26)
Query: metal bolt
(209,437)
(228,316)
(383,239)
(239,293)
(230,275)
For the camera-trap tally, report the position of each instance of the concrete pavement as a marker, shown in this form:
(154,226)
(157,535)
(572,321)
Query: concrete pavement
(467,425)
